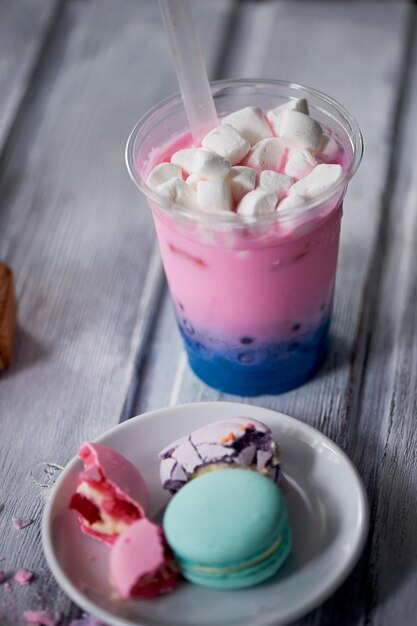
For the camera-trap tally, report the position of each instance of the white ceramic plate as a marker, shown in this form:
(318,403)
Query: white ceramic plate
(328,516)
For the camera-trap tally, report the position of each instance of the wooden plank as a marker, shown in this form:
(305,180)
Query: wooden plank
(361,399)
(389,395)
(24,27)
(78,237)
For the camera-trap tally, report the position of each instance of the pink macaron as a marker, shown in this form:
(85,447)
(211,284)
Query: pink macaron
(141,563)
(111,493)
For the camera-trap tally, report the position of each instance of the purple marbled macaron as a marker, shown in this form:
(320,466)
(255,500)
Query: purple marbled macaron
(234,442)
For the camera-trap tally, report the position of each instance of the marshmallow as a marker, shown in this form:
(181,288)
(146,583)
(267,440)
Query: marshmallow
(162,173)
(192,180)
(274,116)
(268,154)
(291,202)
(210,165)
(273,182)
(201,162)
(250,123)
(300,164)
(321,178)
(178,192)
(242,180)
(228,142)
(329,149)
(185,159)
(257,202)
(214,196)
(299,129)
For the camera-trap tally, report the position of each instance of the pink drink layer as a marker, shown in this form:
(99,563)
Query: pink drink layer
(268,282)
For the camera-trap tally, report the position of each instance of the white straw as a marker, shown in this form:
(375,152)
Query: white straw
(190,68)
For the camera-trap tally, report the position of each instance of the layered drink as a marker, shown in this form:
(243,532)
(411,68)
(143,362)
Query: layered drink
(248,226)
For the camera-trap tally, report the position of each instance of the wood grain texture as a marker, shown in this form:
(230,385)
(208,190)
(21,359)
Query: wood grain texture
(7,315)
(389,395)
(365,396)
(24,26)
(79,239)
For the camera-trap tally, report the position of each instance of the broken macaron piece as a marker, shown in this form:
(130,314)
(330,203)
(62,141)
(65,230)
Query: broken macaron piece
(111,493)
(233,442)
(142,564)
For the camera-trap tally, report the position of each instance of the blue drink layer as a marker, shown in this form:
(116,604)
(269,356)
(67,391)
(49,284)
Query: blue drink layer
(250,368)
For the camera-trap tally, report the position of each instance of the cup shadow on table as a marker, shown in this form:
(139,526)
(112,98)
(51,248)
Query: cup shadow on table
(27,350)
(338,356)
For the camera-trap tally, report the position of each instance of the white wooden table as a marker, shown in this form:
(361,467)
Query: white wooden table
(96,340)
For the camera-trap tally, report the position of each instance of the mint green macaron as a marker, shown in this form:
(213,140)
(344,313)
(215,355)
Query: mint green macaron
(228,529)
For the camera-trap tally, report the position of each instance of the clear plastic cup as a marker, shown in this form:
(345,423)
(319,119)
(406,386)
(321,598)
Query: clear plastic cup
(252,296)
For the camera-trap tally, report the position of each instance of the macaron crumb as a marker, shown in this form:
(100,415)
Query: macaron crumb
(23,576)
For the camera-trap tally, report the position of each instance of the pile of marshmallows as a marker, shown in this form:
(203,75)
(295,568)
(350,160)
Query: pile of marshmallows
(253,164)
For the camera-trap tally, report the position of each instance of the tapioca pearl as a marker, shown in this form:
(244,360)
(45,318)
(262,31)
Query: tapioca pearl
(188,326)
(276,351)
(246,357)
(296,326)
(322,306)
(246,340)
(201,348)
(181,306)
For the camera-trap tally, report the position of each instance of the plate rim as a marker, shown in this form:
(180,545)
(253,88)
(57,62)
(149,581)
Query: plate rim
(297,611)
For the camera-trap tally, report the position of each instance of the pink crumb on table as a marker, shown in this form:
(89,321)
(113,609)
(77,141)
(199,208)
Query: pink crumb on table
(21,522)
(23,576)
(41,618)
(7,586)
